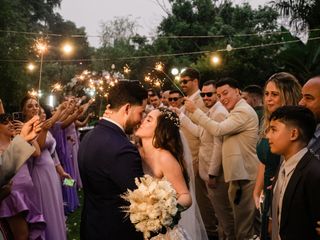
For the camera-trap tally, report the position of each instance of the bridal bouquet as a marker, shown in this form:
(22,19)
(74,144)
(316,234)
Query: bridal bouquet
(153,205)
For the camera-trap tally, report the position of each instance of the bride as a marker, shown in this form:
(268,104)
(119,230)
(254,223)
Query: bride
(165,154)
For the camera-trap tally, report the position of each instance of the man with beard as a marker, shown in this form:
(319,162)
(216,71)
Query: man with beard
(109,163)
(210,158)
(189,82)
(239,159)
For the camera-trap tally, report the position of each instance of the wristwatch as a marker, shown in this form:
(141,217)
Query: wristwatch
(212,176)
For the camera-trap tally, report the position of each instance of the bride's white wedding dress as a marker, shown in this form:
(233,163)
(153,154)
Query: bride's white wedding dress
(190,226)
(177,233)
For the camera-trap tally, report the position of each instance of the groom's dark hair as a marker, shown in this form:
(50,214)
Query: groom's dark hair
(126,92)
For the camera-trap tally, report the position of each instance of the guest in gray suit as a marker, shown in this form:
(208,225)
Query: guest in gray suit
(311,100)
(239,159)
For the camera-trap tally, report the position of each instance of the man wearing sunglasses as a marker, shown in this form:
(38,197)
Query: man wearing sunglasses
(210,158)
(239,159)
(189,83)
(175,99)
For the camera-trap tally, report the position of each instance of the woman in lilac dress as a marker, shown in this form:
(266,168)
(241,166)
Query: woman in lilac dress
(70,195)
(45,177)
(65,152)
(73,147)
(20,209)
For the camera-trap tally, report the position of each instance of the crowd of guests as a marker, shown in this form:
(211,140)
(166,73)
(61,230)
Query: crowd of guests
(255,155)
(35,202)
(230,132)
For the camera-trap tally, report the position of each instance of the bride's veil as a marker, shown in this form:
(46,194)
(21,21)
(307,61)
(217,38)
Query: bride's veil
(191,219)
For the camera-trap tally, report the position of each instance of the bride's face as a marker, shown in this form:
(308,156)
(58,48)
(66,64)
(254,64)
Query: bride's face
(148,125)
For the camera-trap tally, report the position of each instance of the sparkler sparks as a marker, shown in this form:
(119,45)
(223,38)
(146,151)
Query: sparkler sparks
(57,87)
(41,45)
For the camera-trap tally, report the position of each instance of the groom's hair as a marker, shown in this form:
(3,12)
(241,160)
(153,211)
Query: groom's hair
(126,92)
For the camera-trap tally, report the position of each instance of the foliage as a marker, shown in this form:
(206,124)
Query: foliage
(307,10)
(302,60)
(32,16)
(205,18)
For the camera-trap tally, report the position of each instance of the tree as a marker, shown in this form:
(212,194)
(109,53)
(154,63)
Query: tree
(207,18)
(23,16)
(301,60)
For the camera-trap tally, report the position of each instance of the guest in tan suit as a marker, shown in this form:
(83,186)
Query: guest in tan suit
(210,159)
(189,82)
(239,159)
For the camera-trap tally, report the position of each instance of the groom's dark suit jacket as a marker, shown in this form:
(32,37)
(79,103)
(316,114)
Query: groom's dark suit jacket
(301,201)
(108,164)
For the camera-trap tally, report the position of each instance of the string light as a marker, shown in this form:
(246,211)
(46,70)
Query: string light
(215,59)
(167,55)
(265,33)
(67,48)
(31,67)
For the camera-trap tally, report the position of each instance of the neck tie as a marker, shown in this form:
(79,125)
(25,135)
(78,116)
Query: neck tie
(275,205)
(314,145)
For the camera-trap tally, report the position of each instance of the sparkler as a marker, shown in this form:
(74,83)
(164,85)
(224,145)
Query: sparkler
(160,68)
(33,93)
(57,87)
(126,69)
(41,46)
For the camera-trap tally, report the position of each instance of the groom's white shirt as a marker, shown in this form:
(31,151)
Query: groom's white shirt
(114,122)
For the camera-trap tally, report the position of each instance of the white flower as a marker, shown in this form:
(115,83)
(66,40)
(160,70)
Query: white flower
(152,205)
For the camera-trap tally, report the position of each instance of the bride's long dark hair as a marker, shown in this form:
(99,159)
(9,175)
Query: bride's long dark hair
(167,136)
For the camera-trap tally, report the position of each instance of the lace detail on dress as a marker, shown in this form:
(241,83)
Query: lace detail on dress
(177,233)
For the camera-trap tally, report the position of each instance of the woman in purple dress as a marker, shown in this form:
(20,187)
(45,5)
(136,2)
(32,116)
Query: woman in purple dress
(70,195)
(65,153)
(45,177)
(19,210)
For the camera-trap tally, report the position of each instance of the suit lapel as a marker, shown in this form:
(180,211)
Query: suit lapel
(109,124)
(291,187)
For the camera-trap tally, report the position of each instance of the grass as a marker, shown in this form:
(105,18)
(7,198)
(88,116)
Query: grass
(73,221)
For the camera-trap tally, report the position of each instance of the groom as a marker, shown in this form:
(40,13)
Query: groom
(109,163)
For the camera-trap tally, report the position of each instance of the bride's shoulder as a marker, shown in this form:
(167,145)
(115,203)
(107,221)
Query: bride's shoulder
(165,157)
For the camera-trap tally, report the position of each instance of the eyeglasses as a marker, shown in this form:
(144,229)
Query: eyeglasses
(174,99)
(208,94)
(185,81)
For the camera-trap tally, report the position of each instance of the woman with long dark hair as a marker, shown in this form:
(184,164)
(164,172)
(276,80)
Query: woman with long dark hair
(165,154)
(44,175)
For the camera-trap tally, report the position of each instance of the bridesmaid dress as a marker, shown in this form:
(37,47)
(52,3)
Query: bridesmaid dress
(48,186)
(70,195)
(23,199)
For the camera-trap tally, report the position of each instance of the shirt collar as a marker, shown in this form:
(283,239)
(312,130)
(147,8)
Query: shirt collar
(290,164)
(114,122)
(215,106)
(193,96)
